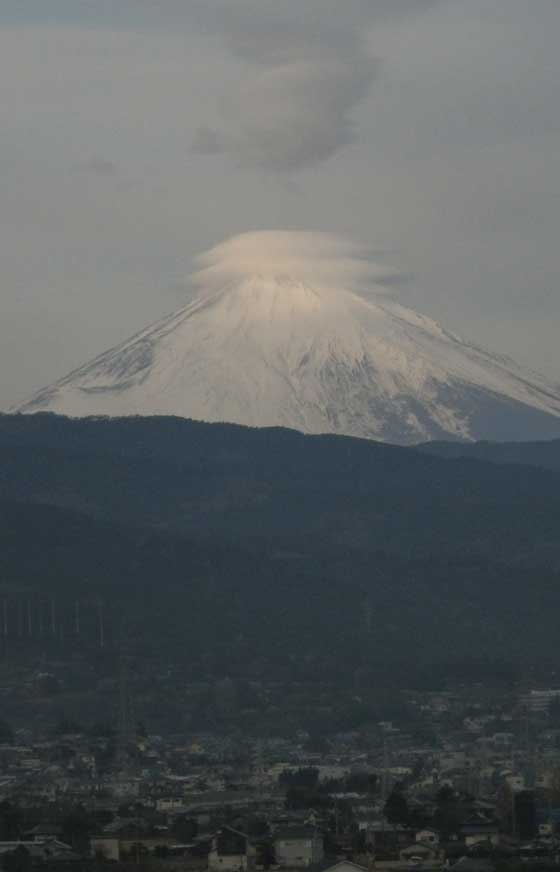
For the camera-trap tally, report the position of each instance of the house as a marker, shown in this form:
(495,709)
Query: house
(39,850)
(231,851)
(427,837)
(420,853)
(385,837)
(41,832)
(471,864)
(106,847)
(345,866)
(170,803)
(479,828)
(298,847)
(130,837)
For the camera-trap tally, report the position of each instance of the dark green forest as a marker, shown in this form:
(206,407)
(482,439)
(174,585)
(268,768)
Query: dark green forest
(270,550)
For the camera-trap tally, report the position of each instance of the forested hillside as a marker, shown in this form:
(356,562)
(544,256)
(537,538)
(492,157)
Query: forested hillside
(266,549)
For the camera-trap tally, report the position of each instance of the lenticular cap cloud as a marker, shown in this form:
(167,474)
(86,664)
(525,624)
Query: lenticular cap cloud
(317,258)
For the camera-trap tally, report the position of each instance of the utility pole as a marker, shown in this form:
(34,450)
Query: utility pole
(384,780)
(100,621)
(368,615)
(4,627)
(513,810)
(259,765)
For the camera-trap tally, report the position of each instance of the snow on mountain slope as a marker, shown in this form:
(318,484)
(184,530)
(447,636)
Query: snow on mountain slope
(279,333)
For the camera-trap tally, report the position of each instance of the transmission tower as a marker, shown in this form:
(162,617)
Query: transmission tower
(125,728)
(385,775)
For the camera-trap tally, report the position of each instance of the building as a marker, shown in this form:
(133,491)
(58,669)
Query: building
(231,851)
(298,847)
(427,837)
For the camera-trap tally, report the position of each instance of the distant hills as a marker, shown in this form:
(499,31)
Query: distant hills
(247,549)
(545,455)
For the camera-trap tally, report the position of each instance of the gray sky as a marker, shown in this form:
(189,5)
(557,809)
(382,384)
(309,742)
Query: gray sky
(136,134)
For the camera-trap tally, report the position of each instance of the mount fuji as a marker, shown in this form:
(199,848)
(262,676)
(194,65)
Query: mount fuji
(298,330)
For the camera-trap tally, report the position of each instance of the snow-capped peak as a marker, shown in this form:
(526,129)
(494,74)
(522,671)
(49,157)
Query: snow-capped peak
(280,332)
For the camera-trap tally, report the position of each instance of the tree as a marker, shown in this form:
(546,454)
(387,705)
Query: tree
(554,710)
(447,816)
(76,828)
(445,795)
(306,777)
(317,744)
(102,730)
(396,808)
(525,819)
(185,829)
(305,797)
(161,852)
(257,827)
(6,733)
(66,726)
(362,782)
(141,730)
(11,820)
(17,861)
(359,842)
(48,685)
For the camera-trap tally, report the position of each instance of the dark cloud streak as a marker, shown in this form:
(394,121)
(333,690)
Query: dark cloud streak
(309,68)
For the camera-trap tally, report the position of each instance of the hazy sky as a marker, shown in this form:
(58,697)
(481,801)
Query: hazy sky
(136,133)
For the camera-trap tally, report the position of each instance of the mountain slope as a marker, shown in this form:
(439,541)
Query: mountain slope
(272,349)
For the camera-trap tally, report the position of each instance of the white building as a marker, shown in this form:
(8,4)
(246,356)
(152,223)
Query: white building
(298,847)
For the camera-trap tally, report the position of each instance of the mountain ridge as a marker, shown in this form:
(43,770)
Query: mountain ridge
(543,454)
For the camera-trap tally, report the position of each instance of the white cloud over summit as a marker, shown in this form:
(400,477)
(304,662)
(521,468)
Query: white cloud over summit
(320,259)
